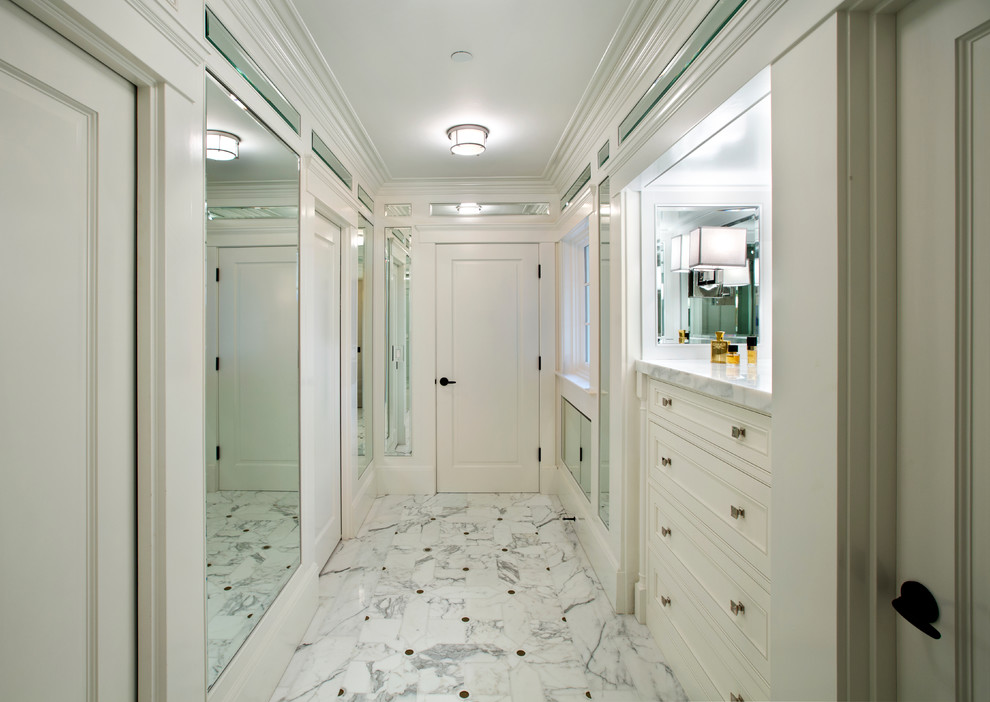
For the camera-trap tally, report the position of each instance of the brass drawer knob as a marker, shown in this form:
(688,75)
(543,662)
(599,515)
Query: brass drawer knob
(665,601)
(738,432)
(737,608)
(667,402)
(737,512)
(664,531)
(664,461)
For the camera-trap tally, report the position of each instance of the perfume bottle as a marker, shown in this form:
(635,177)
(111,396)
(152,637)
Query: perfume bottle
(732,361)
(681,336)
(751,350)
(719,347)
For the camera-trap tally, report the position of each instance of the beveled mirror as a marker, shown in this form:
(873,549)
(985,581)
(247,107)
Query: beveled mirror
(252,371)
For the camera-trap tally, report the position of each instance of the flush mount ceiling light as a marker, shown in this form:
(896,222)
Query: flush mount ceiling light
(711,248)
(469,208)
(461,56)
(221,146)
(468,139)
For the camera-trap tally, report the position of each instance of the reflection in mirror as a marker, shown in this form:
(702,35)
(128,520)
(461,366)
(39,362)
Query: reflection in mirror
(604,355)
(398,399)
(363,321)
(575,445)
(252,383)
(704,302)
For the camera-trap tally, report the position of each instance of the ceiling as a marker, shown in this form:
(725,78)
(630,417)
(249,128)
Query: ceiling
(532,61)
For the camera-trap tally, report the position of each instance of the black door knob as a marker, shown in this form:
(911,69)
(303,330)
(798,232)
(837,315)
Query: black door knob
(917,604)
(445,382)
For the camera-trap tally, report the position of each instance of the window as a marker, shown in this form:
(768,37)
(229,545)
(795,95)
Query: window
(575,309)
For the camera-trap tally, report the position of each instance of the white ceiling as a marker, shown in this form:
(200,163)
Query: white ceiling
(533,60)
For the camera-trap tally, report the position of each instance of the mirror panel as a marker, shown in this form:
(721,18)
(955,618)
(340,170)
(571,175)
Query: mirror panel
(398,398)
(575,445)
(704,302)
(252,383)
(604,349)
(363,331)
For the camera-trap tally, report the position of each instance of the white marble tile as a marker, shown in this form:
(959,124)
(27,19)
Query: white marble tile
(553,638)
(752,388)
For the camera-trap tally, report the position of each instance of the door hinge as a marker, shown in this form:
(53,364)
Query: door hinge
(539,363)
(218,453)
(218,363)
(218,275)
(539,455)
(539,271)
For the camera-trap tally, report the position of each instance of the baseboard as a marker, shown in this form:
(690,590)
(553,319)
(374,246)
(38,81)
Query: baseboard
(326,541)
(361,504)
(416,480)
(254,672)
(212,477)
(639,595)
(594,539)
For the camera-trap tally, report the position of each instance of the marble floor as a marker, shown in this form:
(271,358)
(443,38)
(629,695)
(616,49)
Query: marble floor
(479,597)
(252,547)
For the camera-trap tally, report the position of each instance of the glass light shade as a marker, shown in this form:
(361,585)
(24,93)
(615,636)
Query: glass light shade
(468,139)
(735,277)
(469,208)
(711,248)
(679,255)
(221,146)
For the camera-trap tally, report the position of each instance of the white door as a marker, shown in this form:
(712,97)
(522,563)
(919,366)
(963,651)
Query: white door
(934,60)
(326,385)
(67,371)
(259,369)
(488,389)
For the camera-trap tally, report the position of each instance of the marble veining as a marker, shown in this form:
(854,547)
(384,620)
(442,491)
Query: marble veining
(488,596)
(252,548)
(751,389)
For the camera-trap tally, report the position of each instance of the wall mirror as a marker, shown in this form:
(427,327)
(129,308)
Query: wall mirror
(703,302)
(575,445)
(398,399)
(252,371)
(363,315)
(604,349)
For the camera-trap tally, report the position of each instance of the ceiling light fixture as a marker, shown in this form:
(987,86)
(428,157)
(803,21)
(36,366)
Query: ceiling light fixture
(469,139)
(221,146)
(461,56)
(468,208)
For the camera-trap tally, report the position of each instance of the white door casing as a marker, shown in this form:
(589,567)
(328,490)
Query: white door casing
(67,371)
(259,368)
(929,107)
(326,391)
(488,431)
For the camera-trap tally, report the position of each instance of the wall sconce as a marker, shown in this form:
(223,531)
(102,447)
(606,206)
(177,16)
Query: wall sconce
(712,248)
(469,139)
(679,255)
(221,146)
(735,277)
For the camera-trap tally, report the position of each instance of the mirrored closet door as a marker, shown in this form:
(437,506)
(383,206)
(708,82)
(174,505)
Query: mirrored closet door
(252,371)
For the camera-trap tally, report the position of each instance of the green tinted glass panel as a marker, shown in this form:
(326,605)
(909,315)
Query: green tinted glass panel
(700,38)
(333,163)
(365,199)
(575,188)
(235,54)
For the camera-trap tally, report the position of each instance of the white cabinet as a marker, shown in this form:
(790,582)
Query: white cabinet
(707,532)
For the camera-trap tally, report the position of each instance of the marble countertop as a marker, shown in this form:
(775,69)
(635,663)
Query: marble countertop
(751,389)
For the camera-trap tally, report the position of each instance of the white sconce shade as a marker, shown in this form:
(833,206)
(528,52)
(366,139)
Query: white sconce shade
(735,277)
(468,139)
(711,248)
(679,255)
(469,208)
(221,146)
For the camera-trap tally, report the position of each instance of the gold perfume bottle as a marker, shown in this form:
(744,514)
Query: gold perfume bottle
(720,348)
(681,336)
(732,361)
(751,349)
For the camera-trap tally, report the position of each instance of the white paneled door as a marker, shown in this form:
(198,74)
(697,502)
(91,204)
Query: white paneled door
(259,369)
(943,453)
(488,347)
(67,371)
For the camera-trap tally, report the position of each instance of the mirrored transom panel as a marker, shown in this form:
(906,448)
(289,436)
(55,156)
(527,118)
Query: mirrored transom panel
(252,375)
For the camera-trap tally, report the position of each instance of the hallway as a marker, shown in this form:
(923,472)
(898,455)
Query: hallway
(486,597)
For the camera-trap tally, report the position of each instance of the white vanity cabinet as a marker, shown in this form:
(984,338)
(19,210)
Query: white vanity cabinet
(707,481)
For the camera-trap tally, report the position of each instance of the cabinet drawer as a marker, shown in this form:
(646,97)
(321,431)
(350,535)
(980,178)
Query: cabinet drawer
(737,603)
(735,429)
(730,675)
(731,503)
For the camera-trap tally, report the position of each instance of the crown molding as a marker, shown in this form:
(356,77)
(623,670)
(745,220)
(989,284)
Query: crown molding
(278,34)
